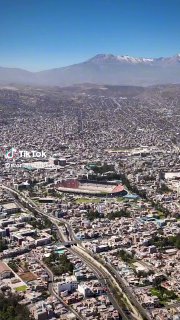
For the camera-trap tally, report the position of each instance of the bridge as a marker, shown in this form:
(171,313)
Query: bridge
(68,244)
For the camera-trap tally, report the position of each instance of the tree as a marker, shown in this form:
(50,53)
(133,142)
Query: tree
(126,256)
(10,308)
(13,265)
(59,264)
(91,215)
(177,241)
(118,214)
(3,245)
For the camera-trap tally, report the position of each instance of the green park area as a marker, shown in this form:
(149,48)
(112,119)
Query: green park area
(121,199)
(59,264)
(21,288)
(163,294)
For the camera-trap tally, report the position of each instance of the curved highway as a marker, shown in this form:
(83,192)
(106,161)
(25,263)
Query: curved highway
(141,313)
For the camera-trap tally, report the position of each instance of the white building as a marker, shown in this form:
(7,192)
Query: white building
(66,286)
(84,290)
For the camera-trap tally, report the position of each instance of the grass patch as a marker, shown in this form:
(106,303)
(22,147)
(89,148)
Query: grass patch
(161,215)
(21,288)
(87,200)
(163,294)
(120,199)
(155,292)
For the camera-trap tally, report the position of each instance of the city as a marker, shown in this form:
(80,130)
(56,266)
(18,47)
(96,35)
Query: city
(90,229)
(89,160)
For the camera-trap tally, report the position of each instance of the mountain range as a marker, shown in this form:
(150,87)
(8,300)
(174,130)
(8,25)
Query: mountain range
(101,69)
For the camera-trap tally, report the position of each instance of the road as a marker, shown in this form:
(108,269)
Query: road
(51,278)
(53,292)
(128,292)
(103,279)
(92,264)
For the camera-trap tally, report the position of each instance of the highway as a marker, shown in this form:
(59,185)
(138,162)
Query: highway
(53,292)
(90,261)
(104,280)
(128,292)
(51,277)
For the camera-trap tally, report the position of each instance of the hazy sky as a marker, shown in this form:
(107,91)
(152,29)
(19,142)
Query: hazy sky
(42,34)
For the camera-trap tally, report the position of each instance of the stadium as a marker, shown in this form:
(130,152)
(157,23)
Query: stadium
(90,188)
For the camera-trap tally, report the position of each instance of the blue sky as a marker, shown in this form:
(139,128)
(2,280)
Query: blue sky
(42,34)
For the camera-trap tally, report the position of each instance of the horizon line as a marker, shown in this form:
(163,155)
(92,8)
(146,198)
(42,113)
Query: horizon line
(71,64)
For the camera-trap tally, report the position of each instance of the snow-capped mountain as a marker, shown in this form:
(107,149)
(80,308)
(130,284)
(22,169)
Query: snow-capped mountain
(134,60)
(124,58)
(102,69)
(104,58)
